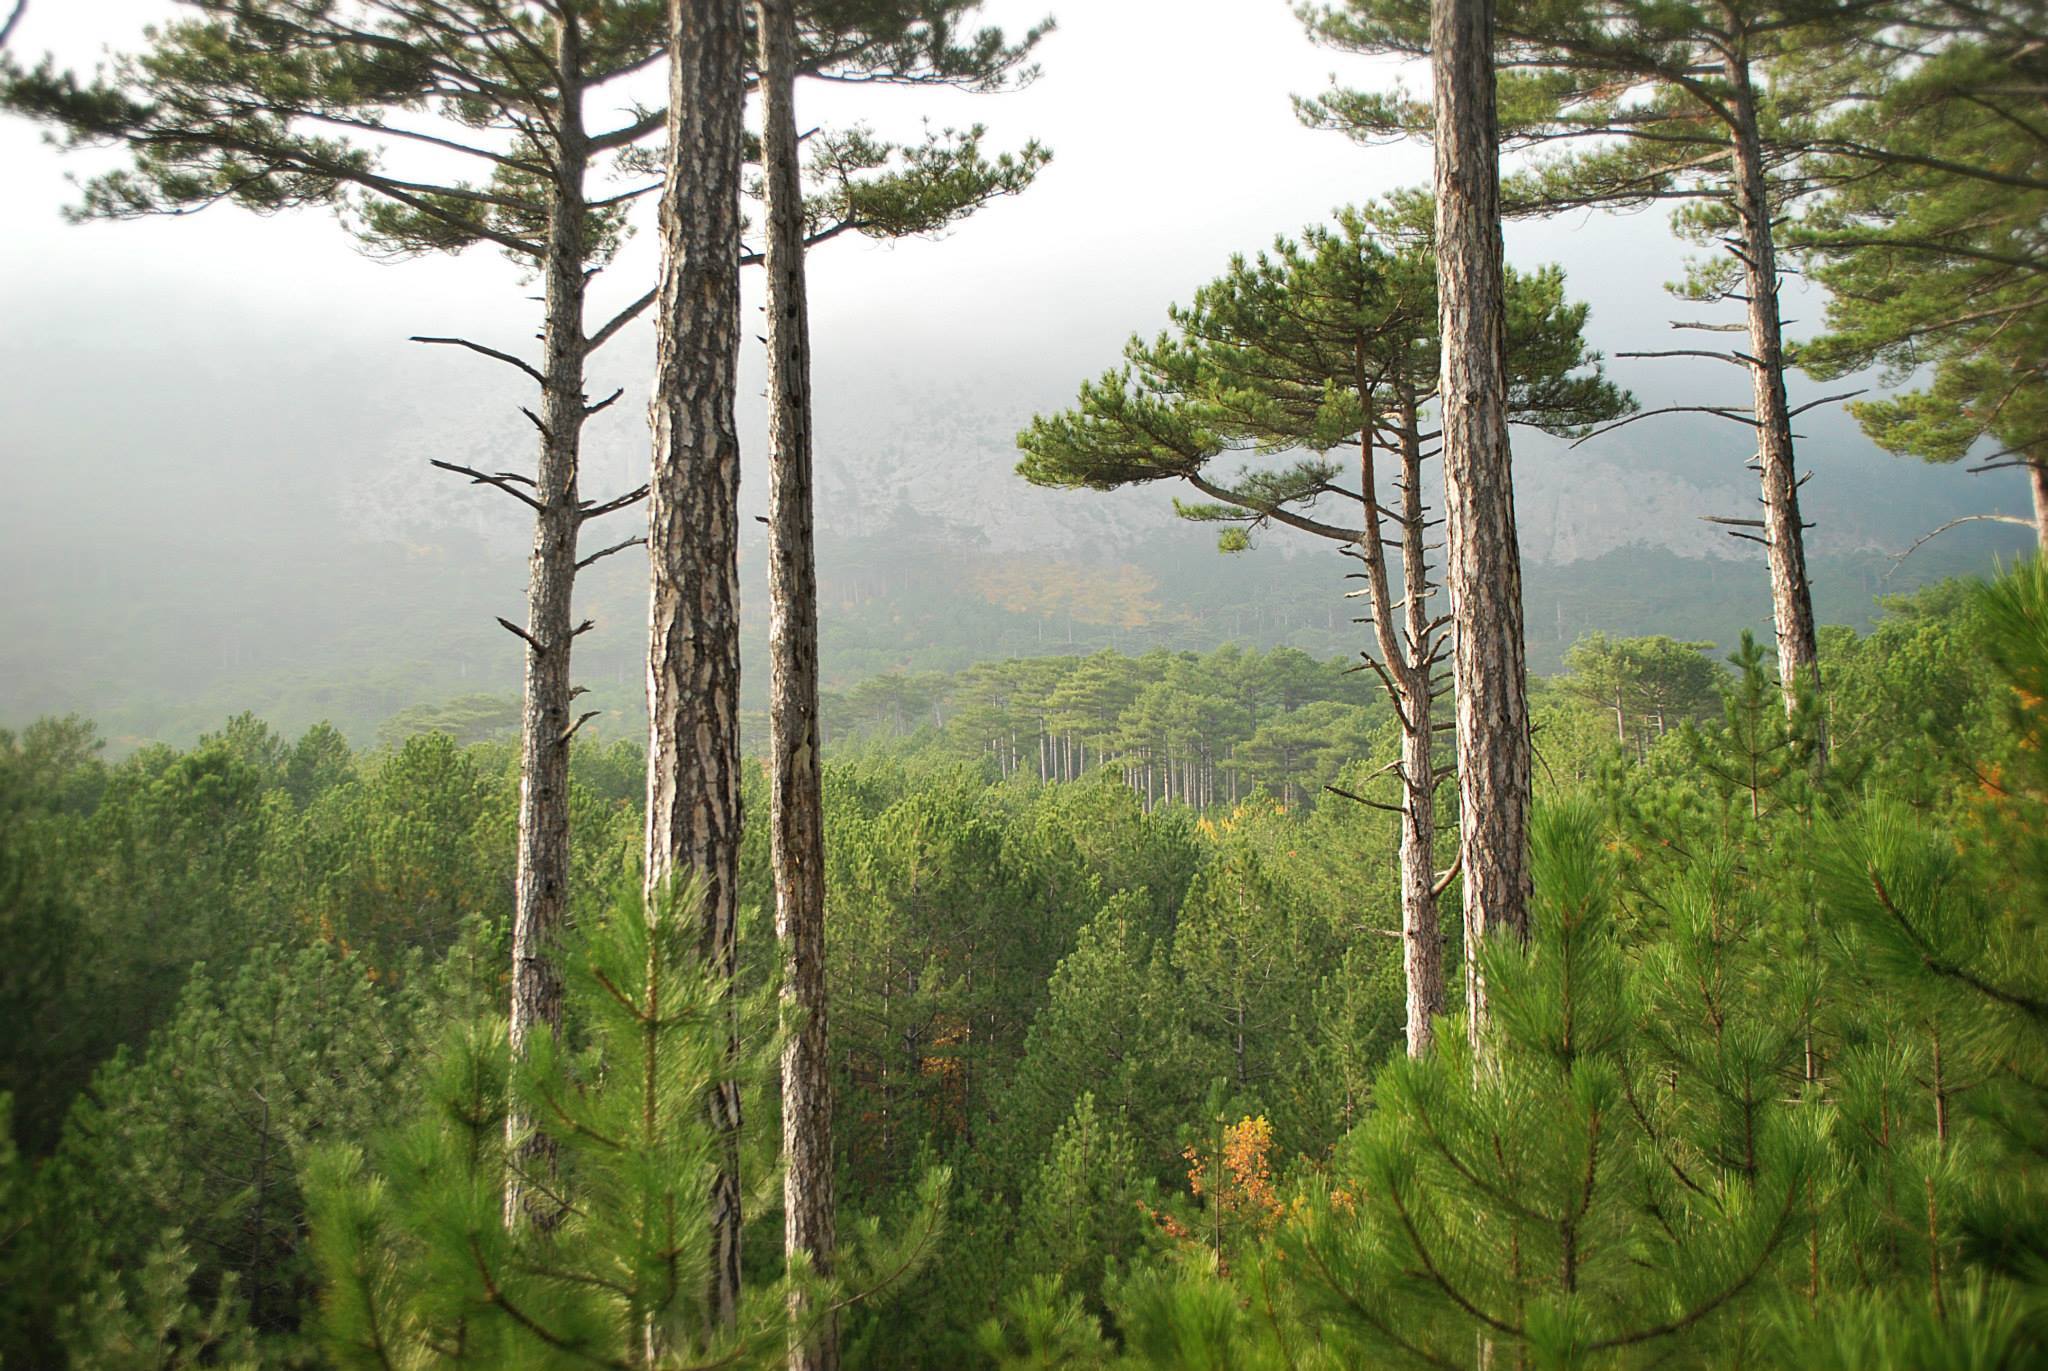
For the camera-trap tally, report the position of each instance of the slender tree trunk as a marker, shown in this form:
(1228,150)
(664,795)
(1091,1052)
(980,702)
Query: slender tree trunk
(797,828)
(1483,562)
(693,663)
(1784,532)
(1421,932)
(2037,475)
(541,890)
(1408,687)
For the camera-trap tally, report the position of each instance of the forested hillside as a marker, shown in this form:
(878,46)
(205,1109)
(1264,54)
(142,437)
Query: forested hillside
(1440,807)
(1140,1037)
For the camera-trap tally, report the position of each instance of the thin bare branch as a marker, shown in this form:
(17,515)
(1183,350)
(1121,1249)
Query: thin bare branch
(1742,417)
(507,358)
(602,553)
(613,506)
(518,632)
(1371,804)
(1898,559)
(1824,400)
(502,481)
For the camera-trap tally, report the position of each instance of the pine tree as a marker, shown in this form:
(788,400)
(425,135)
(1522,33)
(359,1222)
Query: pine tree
(290,103)
(1672,102)
(202,1132)
(693,667)
(1083,1213)
(418,1268)
(1327,344)
(1577,1199)
(1115,1026)
(795,740)
(1754,753)
(1927,239)
(1482,557)
(146,1320)
(1240,948)
(797,818)
(1947,931)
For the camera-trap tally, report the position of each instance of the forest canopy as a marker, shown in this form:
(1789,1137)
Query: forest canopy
(1208,1004)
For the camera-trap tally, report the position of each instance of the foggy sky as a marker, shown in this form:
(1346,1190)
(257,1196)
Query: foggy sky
(173,384)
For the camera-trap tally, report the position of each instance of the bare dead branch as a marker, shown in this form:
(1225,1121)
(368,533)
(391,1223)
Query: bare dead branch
(613,506)
(518,632)
(1898,559)
(502,481)
(602,553)
(1732,358)
(507,358)
(1371,804)
(619,321)
(1824,400)
(1744,417)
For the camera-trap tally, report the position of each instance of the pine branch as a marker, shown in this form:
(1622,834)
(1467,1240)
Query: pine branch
(502,481)
(507,358)
(602,553)
(612,506)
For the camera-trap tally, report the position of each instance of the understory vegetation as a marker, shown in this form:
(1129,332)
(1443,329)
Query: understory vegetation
(1118,1069)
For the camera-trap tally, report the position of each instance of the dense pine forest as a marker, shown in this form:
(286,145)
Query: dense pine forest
(1396,982)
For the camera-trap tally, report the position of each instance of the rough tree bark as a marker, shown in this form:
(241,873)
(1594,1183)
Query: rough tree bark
(797,831)
(693,658)
(542,885)
(1784,533)
(1483,565)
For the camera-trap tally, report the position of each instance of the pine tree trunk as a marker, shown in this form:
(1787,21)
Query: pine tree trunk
(1407,681)
(1421,935)
(541,888)
(693,664)
(1421,931)
(1784,532)
(2037,475)
(1483,563)
(797,826)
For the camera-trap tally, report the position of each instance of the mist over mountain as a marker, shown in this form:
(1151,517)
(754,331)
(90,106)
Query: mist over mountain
(304,561)
(217,440)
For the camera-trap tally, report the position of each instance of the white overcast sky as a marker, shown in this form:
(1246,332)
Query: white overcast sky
(251,369)
(1174,145)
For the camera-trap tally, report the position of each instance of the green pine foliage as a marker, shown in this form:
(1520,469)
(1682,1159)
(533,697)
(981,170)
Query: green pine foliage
(418,1266)
(1563,1194)
(146,1320)
(1117,1073)
(204,1130)
(1085,1213)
